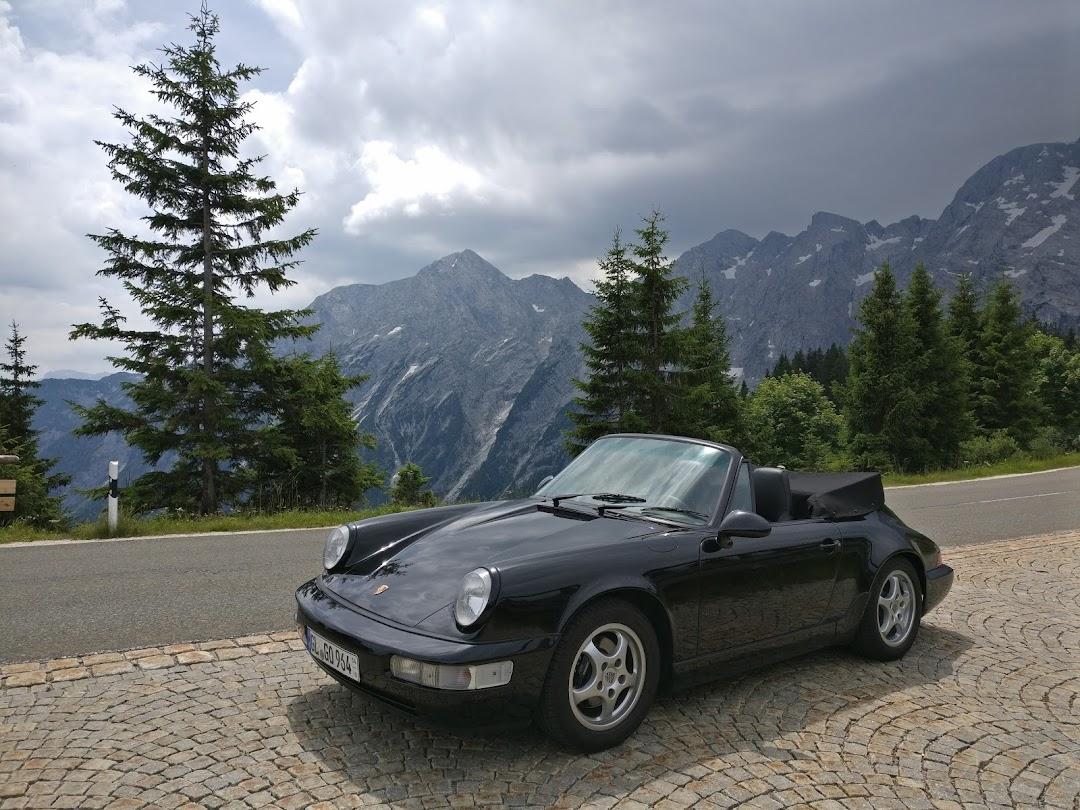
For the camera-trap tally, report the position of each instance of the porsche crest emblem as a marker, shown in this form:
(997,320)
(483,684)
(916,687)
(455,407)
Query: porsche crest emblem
(380,589)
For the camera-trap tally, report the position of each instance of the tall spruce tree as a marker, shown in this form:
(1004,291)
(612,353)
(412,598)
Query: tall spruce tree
(964,316)
(881,394)
(943,419)
(709,407)
(205,358)
(34,478)
(1005,368)
(606,403)
(656,377)
(17,385)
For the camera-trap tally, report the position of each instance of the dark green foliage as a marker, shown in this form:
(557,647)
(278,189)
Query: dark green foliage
(829,367)
(33,476)
(408,487)
(205,363)
(790,421)
(709,405)
(310,459)
(881,394)
(943,419)
(606,404)
(654,377)
(634,358)
(964,316)
(783,366)
(1005,368)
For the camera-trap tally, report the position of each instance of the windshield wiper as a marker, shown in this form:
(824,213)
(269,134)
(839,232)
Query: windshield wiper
(611,497)
(689,512)
(676,510)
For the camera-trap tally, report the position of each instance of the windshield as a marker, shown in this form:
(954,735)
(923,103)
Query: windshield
(683,479)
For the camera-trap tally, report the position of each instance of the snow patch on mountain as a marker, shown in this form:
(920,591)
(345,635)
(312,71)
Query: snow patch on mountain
(1062,189)
(1055,225)
(1012,210)
(729,272)
(876,242)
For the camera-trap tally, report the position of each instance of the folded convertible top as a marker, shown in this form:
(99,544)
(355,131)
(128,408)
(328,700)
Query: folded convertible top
(837,495)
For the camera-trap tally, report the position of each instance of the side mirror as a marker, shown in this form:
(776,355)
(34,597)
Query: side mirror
(545,481)
(744,524)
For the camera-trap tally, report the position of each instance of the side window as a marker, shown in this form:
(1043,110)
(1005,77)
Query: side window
(741,498)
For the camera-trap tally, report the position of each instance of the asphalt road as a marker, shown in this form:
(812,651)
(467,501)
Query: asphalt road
(61,599)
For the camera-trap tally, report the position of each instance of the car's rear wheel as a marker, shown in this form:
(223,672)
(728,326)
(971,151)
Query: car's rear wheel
(893,613)
(603,677)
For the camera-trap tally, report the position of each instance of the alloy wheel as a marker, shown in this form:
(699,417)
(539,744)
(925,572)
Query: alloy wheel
(896,608)
(607,677)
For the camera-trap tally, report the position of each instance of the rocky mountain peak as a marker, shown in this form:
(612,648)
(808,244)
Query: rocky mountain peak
(465,264)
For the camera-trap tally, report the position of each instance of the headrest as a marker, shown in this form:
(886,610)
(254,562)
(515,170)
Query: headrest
(772,493)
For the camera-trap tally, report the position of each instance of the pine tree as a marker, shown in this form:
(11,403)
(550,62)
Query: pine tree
(943,419)
(17,385)
(709,406)
(1005,368)
(881,394)
(408,488)
(606,404)
(834,371)
(655,379)
(782,367)
(204,361)
(310,457)
(34,478)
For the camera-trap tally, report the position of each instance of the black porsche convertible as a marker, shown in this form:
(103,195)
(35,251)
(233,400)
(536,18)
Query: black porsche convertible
(648,562)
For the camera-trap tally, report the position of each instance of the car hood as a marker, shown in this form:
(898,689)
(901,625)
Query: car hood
(412,577)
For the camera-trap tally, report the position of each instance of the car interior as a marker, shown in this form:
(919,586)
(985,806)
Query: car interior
(773,499)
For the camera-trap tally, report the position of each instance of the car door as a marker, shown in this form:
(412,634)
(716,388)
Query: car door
(773,590)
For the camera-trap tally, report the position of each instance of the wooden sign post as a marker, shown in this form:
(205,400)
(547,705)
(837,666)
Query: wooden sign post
(7,486)
(7,494)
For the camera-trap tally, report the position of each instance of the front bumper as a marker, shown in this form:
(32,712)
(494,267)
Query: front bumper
(938,582)
(374,640)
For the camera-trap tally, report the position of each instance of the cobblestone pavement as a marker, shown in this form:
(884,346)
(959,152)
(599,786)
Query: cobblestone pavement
(984,711)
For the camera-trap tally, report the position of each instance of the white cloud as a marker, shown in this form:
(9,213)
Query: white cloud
(524,131)
(426,183)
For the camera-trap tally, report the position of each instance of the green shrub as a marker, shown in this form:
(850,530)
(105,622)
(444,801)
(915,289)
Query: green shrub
(988,449)
(1048,442)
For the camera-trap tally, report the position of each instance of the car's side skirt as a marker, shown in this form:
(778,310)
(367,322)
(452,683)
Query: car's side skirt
(747,657)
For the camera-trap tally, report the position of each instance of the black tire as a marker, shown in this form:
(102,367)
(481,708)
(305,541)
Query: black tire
(556,714)
(870,640)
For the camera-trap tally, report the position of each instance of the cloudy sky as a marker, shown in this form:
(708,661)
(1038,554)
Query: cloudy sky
(525,130)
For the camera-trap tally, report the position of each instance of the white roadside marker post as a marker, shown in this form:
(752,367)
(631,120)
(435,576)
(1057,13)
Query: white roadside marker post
(114,496)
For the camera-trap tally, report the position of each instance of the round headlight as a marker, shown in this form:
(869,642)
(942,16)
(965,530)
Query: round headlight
(472,597)
(336,545)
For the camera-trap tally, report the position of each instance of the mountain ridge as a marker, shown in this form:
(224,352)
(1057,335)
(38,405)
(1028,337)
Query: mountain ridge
(470,369)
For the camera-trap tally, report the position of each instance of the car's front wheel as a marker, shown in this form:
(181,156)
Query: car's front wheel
(603,677)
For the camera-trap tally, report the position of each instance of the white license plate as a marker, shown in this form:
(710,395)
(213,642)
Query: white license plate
(332,655)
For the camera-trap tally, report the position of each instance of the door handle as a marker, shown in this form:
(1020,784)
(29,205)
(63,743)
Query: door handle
(830,544)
